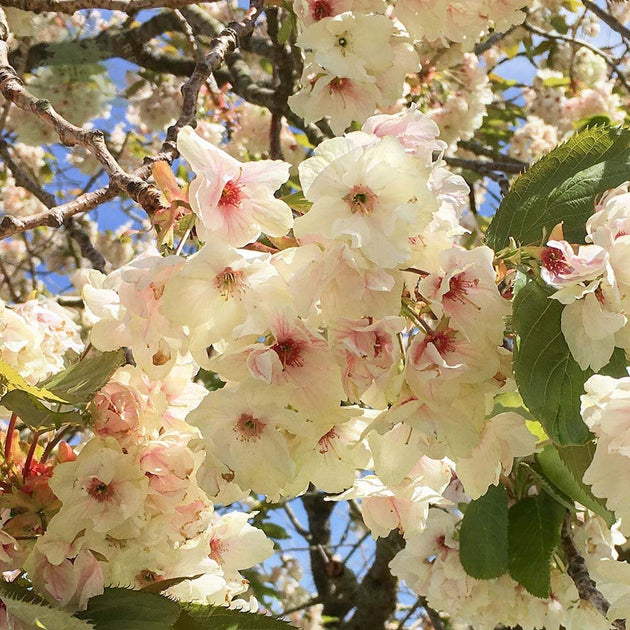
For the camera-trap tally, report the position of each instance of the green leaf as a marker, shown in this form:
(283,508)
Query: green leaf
(565,467)
(559,23)
(533,534)
(119,608)
(297,201)
(286,29)
(591,121)
(273,530)
(549,379)
(35,611)
(79,382)
(556,82)
(547,486)
(197,617)
(510,401)
(210,380)
(36,415)
(562,186)
(483,537)
(11,381)
(261,590)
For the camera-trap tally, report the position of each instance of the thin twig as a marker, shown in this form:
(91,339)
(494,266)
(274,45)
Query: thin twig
(12,88)
(54,441)
(299,528)
(30,455)
(580,42)
(9,437)
(608,19)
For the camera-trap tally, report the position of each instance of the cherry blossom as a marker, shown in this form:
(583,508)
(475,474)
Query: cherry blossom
(234,201)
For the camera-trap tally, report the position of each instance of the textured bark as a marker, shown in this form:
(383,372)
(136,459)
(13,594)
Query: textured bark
(578,571)
(335,583)
(377,593)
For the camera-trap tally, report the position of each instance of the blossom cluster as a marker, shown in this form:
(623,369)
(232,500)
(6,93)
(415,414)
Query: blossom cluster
(593,282)
(430,565)
(357,55)
(358,332)
(321,384)
(127,509)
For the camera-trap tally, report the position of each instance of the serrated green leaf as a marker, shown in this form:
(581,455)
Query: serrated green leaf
(221,618)
(534,525)
(36,415)
(79,382)
(11,380)
(186,622)
(119,608)
(35,611)
(591,121)
(548,487)
(483,537)
(562,186)
(549,379)
(565,467)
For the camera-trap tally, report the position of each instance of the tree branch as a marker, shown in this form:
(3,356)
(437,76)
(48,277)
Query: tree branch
(607,18)
(76,232)
(335,583)
(22,178)
(485,167)
(580,42)
(220,47)
(12,88)
(577,570)
(125,43)
(134,185)
(377,593)
(82,239)
(56,216)
(479,149)
(70,6)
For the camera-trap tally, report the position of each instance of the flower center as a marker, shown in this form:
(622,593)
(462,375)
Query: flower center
(249,428)
(289,352)
(229,281)
(339,84)
(99,490)
(157,288)
(324,442)
(217,548)
(458,287)
(321,9)
(443,341)
(554,261)
(361,199)
(380,344)
(230,195)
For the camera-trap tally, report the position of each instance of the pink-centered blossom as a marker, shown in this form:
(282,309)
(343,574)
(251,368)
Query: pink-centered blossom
(234,201)
(561,266)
